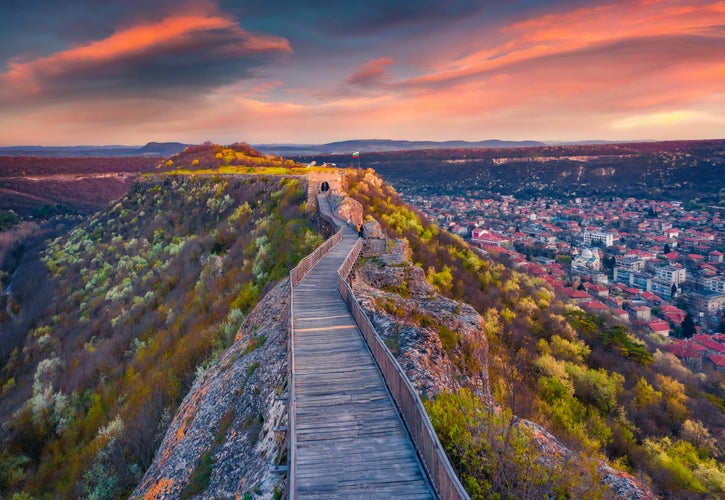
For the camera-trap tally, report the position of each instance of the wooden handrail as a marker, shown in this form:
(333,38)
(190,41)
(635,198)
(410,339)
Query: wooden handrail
(431,452)
(296,275)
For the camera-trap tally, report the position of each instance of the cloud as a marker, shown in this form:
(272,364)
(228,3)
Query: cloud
(371,73)
(176,52)
(657,119)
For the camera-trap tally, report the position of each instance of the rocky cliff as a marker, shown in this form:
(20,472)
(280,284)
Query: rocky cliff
(441,345)
(225,440)
(439,342)
(228,436)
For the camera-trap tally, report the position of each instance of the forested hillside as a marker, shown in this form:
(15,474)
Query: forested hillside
(135,302)
(675,170)
(586,378)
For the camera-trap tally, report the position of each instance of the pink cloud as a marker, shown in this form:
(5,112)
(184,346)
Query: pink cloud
(371,73)
(138,47)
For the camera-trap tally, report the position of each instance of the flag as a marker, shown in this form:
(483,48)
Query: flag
(356,154)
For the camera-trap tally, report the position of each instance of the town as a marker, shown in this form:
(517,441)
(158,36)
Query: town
(656,265)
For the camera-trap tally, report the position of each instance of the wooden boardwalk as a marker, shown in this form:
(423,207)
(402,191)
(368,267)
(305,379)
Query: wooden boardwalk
(349,440)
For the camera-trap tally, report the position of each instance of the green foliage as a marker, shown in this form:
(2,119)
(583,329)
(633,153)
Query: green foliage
(584,376)
(449,338)
(224,424)
(497,458)
(688,326)
(681,468)
(618,338)
(252,368)
(153,289)
(8,219)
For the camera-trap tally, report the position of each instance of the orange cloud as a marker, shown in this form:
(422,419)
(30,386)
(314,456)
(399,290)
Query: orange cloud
(580,29)
(140,44)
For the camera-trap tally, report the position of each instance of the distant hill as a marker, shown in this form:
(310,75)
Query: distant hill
(672,170)
(382,145)
(32,184)
(161,149)
(68,151)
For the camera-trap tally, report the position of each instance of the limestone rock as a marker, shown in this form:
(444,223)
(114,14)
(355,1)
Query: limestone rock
(373,230)
(408,315)
(346,208)
(241,389)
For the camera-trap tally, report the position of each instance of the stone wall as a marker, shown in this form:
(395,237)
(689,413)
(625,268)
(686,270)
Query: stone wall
(315,180)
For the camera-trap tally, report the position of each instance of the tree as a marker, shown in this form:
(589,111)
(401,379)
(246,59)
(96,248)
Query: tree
(667,248)
(688,326)
(673,290)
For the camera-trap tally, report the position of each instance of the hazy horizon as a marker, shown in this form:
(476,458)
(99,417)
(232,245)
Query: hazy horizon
(547,143)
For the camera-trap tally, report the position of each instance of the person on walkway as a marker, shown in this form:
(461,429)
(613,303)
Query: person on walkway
(360,230)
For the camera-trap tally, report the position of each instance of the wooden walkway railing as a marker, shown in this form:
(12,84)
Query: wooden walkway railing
(419,428)
(439,469)
(296,275)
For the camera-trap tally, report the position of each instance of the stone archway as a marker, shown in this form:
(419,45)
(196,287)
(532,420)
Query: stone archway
(325,186)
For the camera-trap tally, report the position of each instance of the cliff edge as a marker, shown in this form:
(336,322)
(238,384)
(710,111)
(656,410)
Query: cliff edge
(224,442)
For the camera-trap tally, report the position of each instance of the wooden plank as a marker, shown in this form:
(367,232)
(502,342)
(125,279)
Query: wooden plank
(350,441)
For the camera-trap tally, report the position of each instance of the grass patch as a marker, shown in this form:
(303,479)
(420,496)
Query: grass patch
(224,425)
(200,477)
(254,343)
(448,337)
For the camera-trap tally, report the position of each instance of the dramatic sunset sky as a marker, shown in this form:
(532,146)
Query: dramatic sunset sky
(288,71)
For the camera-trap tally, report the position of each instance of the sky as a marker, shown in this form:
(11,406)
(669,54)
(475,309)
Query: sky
(84,72)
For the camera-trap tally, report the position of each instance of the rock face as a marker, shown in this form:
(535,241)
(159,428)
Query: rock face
(415,322)
(409,316)
(231,414)
(346,208)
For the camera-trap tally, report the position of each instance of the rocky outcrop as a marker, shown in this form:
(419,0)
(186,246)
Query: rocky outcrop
(438,341)
(346,208)
(227,434)
(231,416)
(620,484)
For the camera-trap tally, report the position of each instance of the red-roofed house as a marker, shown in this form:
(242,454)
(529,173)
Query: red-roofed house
(651,297)
(660,327)
(641,313)
(621,315)
(712,346)
(488,238)
(672,256)
(715,256)
(717,361)
(578,296)
(690,353)
(595,306)
(674,316)
(597,290)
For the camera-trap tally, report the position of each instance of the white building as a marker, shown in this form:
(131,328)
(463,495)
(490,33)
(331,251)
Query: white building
(671,274)
(593,236)
(715,284)
(589,258)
